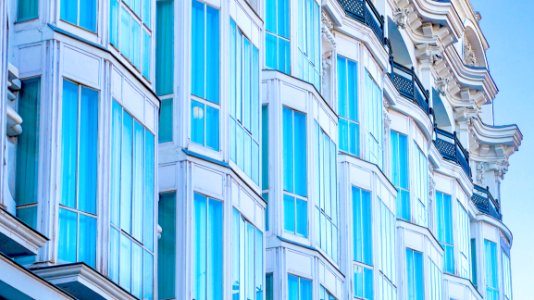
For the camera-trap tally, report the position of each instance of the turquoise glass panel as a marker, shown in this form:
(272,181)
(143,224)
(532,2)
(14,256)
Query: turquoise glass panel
(270,15)
(69,11)
(249,261)
(197,49)
(147,46)
(399,173)
(69,143)
(292,287)
(258,264)
(444,220)
(269,286)
(283,18)
(265,147)
(28,146)
(354,138)
(165,47)
(149,182)
(474,276)
(88,136)
(236,246)
(167,246)
(146,12)
(126,173)
(87,14)
(270,51)
(415,279)
(215,249)
(289,213)
(135,45)
(137,271)
(114,22)
(125,263)
(302,217)
(212,54)
(27,10)
(200,248)
(67,236)
(305,289)
(343,128)
(363,283)
(125,32)
(299,154)
(288,149)
(87,240)
(352,90)
(492,276)
(116,138)
(342,86)
(197,122)
(28,215)
(165,121)
(138,176)
(212,128)
(362,226)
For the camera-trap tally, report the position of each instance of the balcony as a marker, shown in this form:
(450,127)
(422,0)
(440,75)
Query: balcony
(450,148)
(365,12)
(485,202)
(409,86)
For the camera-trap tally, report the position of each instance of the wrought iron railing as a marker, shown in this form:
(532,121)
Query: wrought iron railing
(409,86)
(450,148)
(484,201)
(365,12)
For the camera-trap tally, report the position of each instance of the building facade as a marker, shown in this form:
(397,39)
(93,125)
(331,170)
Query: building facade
(247,149)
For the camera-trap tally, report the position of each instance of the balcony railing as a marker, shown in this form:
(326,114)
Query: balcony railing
(409,86)
(484,201)
(450,148)
(365,12)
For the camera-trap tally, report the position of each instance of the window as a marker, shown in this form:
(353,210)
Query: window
(164,46)
(167,246)
(205,76)
(132,204)
(444,226)
(325,295)
(400,174)
(208,248)
(79,144)
(507,275)
(130,32)
(435,282)
(247,259)
(165,121)
(27,10)
(269,286)
(326,203)
(374,122)
(265,160)
(387,250)
(244,104)
(295,172)
(415,279)
(277,35)
(464,234)
(347,101)
(474,278)
(421,186)
(28,152)
(309,48)
(362,235)
(492,278)
(298,288)
(80,13)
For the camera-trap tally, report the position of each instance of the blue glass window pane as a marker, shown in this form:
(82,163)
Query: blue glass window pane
(265,147)
(114,255)
(165,47)
(283,18)
(289,213)
(269,286)
(342,86)
(352,86)
(69,11)
(147,46)
(299,154)
(354,135)
(200,248)
(28,146)
(125,263)
(258,265)
(165,121)
(116,132)
(88,150)
(114,22)
(137,193)
(197,49)
(87,14)
(368,282)
(148,211)
(212,126)
(137,271)
(27,10)
(288,149)
(167,246)
(283,52)
(215,249)
(126,173)
(302,217)
(212,54)
(125,33)
(343,135)
(367,229)
(68,149)
(197,122)
(67,236)
(270,51)
(305,289)
(236,246)
(87,247)
(146,12)
(292,287)
(28,215)
(148,276)
(474,276)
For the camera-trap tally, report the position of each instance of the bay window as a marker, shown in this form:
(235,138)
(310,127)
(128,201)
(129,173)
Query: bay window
(131,259)
(79,147)
(205,75)
(347,95)
(326,202)
(295,172)
(244,104)
(400,174)
(444,227)
(247,259)
(277,35)
(309,48)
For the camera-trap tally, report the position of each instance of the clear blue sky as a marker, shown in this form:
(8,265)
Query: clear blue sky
(507,26)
